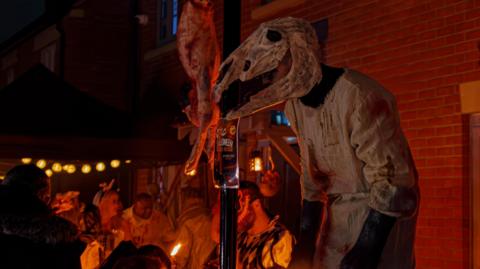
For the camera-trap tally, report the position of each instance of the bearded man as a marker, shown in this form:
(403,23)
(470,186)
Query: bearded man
(262,241)
(147,225)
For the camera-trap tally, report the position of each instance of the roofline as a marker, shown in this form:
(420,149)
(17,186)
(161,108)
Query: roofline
(55,10)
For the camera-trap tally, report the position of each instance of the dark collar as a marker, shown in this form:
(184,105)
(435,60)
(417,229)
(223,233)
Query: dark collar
(316,96)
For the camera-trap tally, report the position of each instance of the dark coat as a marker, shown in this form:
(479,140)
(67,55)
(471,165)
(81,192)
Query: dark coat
(31,237)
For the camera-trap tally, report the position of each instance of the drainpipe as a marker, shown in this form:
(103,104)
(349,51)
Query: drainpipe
(134,60)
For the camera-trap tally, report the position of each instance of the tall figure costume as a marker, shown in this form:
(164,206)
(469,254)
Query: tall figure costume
(358,181)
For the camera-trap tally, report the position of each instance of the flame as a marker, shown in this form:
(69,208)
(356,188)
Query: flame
(192,173)
(175,249)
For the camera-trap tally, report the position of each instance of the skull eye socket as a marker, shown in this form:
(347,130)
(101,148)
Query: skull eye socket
(274,36)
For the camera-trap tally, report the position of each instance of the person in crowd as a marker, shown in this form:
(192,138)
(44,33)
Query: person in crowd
(114,229)
(123,250)
(126,255)
(139,262)
(147,225)
(194,233)
(91,230)
(262,241)
(31,236)
(68,206)
(155,252)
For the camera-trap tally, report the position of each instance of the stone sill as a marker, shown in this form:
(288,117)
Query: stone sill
(273,8)
(470,97)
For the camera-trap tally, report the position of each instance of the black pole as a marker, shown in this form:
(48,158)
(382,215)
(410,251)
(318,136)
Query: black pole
(228,228)
(228,196)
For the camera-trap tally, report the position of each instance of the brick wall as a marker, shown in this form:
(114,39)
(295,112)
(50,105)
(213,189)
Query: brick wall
(421,51)
(97,50)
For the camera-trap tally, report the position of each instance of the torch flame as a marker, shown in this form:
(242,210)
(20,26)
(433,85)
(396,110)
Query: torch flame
(192,173)
(175,249)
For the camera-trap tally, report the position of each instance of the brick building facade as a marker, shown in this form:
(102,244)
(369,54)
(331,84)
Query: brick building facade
(422,51)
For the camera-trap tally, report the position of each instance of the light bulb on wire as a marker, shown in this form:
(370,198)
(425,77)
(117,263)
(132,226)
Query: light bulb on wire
(41,163)
(115,163)
(86,168)
(100,166)
(57,167)
(71,169)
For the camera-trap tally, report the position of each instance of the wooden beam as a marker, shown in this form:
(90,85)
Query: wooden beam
(285,150)
(84,148)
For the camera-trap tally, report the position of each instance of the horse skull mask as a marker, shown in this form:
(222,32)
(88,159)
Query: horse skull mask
(282,54)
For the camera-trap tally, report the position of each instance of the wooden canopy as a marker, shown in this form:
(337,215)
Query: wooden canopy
(43,116)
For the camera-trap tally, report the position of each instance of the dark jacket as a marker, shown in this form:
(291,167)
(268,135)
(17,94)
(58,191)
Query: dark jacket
(31,237)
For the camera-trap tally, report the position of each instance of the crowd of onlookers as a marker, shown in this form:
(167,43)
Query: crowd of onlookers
(36,232)
(39,232)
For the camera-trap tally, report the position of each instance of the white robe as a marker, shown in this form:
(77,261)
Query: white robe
(355,156)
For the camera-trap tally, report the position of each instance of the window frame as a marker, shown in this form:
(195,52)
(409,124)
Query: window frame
(167,21)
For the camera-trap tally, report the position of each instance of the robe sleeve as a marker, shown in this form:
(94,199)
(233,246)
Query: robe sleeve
(388,168)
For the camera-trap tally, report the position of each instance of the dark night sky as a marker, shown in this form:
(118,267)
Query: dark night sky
(16,14)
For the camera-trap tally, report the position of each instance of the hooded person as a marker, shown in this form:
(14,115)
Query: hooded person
(359,182)
(30,235)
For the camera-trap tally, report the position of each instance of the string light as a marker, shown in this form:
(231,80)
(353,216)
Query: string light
(115,163)
(71,169)
(41,163)
(56,167)
(100,166)
(86,168)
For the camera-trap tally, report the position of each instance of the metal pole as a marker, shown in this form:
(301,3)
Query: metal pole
(228,228)
(228,196)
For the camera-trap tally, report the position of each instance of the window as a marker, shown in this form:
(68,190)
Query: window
(168,15)
(47,57)
(278,118)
